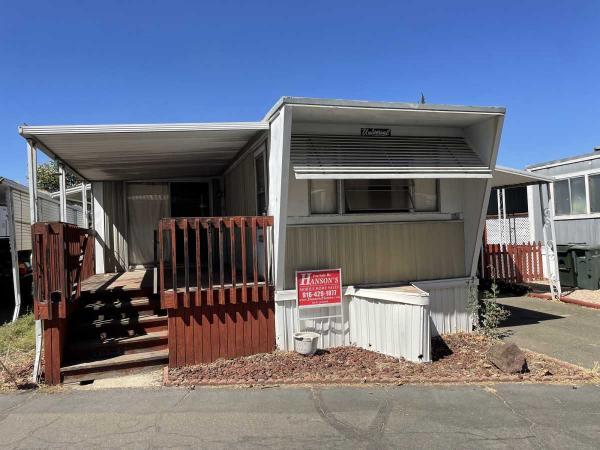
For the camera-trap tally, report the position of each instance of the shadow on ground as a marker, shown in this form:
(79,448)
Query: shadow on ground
(522,316)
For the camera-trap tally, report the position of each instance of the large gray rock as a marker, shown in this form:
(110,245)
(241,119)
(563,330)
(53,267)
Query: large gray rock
(507,357)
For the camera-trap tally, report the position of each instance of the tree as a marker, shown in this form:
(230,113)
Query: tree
(47,177)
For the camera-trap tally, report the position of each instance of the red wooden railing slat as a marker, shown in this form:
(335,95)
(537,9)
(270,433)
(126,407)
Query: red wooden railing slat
(513,263)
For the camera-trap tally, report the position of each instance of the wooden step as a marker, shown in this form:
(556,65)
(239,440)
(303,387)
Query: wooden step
(98,348)
(120,326)
(118,308)
(115,366)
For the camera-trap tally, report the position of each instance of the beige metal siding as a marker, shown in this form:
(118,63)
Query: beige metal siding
(240,189)
(379,252)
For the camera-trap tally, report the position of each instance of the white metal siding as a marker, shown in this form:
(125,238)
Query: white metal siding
(392,328)
(286,324)
(48,211)
(448,301)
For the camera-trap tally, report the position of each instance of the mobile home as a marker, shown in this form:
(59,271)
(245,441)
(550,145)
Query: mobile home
(210,222)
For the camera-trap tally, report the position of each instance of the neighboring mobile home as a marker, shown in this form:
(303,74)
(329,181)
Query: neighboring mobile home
(394,194)
(15,230)
(576,198)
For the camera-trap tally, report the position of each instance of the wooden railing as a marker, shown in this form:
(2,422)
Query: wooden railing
(63,256)
(215,283)
(203,260)
(513,263)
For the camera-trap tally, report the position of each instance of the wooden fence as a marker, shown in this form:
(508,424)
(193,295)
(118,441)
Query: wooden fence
(513,263)
(63,257)
(215,282)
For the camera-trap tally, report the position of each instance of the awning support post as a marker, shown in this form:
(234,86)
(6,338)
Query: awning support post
(84,204)
(33,217)
(550,243)
(62,184)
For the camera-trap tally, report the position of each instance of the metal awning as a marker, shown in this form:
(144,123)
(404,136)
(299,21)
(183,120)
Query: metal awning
(327,156)
(505,177)
(147,151)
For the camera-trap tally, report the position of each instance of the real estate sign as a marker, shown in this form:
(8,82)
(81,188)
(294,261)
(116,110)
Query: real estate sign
(319,287)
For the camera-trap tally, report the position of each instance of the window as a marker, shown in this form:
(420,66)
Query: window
(261,185)
(594,184)
(426,195)
(577,195)
(364,196)
(323,197)
(562,202)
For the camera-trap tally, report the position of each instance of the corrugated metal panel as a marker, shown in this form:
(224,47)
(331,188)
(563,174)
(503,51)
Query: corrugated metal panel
(389,327)
(339,154)
(21,217)
(448,300)
(3,221)
(154,151)
(240,189)
(396,329)
(379,252)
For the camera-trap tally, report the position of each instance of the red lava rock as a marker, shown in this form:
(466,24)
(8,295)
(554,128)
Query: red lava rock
(456,358)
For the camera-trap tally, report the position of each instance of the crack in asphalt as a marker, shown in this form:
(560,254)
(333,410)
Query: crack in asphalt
(372,436)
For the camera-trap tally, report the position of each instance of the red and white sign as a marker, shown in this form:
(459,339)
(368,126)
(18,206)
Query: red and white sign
(319,287)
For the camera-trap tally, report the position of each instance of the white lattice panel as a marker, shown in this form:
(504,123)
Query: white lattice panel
(516,230)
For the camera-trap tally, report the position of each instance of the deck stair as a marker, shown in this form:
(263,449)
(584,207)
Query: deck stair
(115,331)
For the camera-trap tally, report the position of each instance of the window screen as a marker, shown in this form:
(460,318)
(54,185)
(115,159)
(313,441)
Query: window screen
(594,193)
(323,197)
(562,202)
(425,195)
(578,199)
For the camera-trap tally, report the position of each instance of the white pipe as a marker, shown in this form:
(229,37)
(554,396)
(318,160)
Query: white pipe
(13,254)
(33,217)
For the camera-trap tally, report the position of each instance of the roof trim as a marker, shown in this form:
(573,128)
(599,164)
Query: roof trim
(564,161)
(31,131)
(328,102)
(524,173)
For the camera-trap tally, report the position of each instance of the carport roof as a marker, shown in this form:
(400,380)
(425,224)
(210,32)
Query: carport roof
(144,151)
(505,177)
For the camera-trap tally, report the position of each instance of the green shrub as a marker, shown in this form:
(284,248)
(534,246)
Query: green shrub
(486,313)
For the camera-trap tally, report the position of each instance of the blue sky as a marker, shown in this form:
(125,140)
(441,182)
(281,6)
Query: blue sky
(139,62)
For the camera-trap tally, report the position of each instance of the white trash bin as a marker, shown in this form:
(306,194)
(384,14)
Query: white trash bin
(305,342)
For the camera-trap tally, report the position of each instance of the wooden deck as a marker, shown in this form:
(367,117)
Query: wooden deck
(126,281)
(143,280)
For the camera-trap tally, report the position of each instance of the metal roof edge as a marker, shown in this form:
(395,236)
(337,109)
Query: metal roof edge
(310,101)
(524,173)
(33,130)
(563,161)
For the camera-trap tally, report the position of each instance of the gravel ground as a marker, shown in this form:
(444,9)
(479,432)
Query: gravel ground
(584,294)
(15,371)
(457,358)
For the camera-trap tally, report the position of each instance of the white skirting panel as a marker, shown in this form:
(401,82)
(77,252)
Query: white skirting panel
(448,301)
(286,323)
(390,327)
(395,324)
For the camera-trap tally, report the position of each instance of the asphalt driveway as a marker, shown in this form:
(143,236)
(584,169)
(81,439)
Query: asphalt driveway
(564,331)
(500,416)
